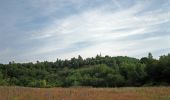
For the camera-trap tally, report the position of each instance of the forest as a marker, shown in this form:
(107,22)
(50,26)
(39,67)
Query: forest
(99,71)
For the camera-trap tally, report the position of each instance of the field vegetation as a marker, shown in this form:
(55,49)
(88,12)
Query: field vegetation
(129,93)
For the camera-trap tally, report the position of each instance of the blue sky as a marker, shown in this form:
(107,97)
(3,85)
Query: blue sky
(49,29)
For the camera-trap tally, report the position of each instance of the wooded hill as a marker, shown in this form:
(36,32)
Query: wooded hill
(96,72)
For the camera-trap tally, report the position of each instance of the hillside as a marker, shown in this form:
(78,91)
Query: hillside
(92,72)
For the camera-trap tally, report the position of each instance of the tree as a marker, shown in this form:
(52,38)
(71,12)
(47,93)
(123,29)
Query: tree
(150,56)
(80,61)
(96,71)
(144,60)
(2,81)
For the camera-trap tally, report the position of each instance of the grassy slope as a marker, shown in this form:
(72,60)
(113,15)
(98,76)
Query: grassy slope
(144,93)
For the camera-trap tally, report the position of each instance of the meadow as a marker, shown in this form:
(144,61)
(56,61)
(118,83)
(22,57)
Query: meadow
(85,93)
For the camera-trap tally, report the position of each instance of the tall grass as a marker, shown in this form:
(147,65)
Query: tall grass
(144,93)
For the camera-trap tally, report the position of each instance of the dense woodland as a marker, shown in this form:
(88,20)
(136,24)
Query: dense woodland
(98,71)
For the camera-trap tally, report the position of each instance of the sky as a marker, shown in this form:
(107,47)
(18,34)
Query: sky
(45,30)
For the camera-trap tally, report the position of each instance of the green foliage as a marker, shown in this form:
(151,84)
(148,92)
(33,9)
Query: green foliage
(38,83)
(97,72)
(2,81)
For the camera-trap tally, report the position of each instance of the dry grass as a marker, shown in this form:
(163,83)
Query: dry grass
(144,93)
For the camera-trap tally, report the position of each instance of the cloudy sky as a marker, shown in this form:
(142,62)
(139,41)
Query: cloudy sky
(41,30)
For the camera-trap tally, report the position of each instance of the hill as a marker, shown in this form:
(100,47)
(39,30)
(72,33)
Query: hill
(94,72)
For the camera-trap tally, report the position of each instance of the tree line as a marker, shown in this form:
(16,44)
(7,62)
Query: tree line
(97,71)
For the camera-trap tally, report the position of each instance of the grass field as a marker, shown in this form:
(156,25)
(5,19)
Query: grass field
(144,93)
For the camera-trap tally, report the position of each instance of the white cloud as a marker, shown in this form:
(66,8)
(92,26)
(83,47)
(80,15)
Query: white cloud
(104,29)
